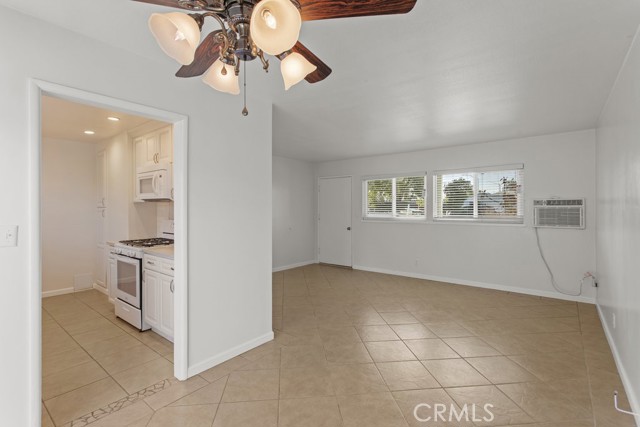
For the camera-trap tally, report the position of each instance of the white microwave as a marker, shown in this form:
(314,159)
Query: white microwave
(154,182)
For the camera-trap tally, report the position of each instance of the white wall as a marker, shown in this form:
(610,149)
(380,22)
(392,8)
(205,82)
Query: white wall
(294,219)
(68,214)
(229,234)
(499,256)
(618,230)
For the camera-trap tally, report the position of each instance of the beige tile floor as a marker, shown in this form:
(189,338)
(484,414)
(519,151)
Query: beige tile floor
(352,349)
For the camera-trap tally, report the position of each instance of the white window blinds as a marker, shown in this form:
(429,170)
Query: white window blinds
(487,194)
(394,198)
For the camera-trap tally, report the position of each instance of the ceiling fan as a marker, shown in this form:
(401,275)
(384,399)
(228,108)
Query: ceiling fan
(249,30)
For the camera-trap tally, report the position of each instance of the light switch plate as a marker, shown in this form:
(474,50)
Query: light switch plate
(8,235)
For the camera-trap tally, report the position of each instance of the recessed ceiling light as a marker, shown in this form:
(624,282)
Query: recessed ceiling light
(113,118)
(89,132)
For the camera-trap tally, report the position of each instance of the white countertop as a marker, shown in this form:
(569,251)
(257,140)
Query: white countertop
(161,251)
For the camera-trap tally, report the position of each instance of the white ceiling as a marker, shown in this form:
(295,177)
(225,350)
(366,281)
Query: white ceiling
(68,120)
(451,72)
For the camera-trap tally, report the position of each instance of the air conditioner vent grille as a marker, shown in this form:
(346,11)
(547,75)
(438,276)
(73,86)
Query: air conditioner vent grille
(559,213)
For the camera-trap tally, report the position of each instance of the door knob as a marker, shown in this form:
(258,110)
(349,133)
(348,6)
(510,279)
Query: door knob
(348,228)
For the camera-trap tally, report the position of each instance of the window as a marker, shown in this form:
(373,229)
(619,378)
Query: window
(394,198)
(486,194)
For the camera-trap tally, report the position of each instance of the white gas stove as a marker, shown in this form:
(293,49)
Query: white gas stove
(135,248)
(128,289)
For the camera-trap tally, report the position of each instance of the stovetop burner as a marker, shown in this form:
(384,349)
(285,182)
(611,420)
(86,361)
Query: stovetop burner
(147,243)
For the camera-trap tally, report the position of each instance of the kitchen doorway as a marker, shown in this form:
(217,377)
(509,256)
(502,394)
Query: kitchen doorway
(179,287)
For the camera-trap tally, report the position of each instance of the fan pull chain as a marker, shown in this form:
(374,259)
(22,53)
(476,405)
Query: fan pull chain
(245,112)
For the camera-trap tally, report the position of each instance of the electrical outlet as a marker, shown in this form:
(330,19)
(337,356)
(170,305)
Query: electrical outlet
(614,320)
(8,235)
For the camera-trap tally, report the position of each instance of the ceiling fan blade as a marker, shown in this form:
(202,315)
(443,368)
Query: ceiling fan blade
(207,53)
(312,10)
(167,3)
(323,70)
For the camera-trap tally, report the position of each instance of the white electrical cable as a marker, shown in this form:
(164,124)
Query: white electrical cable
(553,279)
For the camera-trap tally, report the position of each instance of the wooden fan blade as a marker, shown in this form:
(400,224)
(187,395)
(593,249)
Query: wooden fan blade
(207,53)
(312,10)
(167,3)
(323,70)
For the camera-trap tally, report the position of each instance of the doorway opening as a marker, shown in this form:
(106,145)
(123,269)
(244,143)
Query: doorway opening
(42,92)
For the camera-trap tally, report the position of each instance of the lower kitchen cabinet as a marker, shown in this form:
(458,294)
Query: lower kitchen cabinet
(151,298)
(112,275)
(157,298)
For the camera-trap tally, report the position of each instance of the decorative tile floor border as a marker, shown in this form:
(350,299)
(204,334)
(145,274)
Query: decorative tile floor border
(109,409)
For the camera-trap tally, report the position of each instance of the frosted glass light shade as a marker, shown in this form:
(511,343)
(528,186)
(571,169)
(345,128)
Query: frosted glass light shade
(294,68)
(275,26)
(178,35)
(227,83)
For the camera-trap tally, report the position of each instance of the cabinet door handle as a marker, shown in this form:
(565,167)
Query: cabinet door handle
(172,287)
(172,269)
(151,263)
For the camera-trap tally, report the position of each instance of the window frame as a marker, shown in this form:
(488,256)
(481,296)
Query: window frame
(392,217)
(519,220)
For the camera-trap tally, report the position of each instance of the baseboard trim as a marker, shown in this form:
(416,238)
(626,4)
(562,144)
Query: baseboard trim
(229,354)
(525,291)
(64,291)
(100,289)
(631,396)
(296,265)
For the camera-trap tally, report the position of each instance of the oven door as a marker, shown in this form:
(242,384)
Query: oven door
(128,280)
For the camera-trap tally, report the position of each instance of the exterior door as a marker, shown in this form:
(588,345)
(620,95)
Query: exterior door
(334,221)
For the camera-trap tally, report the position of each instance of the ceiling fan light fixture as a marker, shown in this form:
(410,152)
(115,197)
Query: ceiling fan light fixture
(221,78)
(178,35)
(295,68)
(275,25)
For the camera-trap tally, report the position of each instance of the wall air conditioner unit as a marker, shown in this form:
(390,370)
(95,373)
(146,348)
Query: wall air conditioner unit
(558,213)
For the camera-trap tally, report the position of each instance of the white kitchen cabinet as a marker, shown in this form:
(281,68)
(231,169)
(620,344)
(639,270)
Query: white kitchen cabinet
(151,298)
(157,294)
(166,301)
(112,274)
(154,148)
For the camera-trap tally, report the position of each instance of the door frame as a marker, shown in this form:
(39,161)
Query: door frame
(38,88)
(318,214)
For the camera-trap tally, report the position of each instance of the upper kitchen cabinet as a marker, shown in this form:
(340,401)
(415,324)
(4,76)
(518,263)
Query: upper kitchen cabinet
(154,147)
